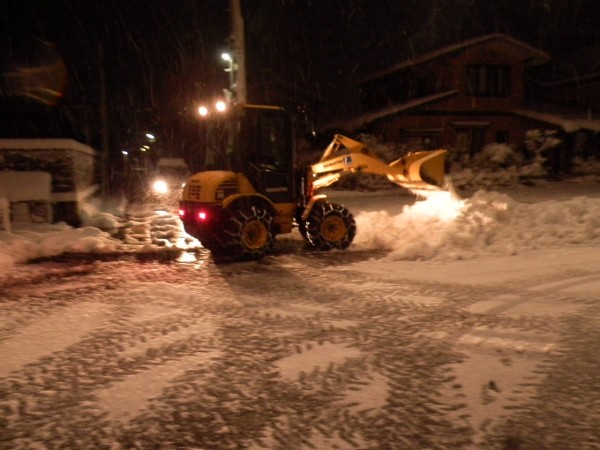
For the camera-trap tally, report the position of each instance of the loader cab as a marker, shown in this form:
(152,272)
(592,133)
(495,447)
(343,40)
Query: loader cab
(266,142)
(256,141)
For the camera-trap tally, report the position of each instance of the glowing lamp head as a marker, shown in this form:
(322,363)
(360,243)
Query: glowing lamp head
(202,215)
(221,106)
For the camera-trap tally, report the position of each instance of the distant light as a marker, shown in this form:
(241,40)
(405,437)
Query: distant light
(202,215)
(160,187)
(150,136)
(221,106)
(181,212)
(226,57)
(203,111)
(125,152)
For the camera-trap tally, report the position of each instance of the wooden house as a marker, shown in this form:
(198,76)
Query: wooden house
(461,97)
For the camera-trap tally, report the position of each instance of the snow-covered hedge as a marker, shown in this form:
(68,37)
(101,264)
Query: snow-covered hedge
(497,165)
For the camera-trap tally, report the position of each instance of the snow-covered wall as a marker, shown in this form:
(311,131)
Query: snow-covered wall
(25,186)
(71,164)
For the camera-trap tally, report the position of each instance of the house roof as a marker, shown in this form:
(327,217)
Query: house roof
(370,116)
(578,66)
(569,121)
(533,56)
(44,144)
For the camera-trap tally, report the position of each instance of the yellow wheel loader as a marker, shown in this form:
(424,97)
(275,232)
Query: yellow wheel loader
(250,189)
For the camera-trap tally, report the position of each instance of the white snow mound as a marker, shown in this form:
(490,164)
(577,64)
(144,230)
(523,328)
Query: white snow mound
(488,223)
(28,245)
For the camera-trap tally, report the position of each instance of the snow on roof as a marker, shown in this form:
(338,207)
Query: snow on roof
(568,124)
(351,124)
(37,144)
(536,56)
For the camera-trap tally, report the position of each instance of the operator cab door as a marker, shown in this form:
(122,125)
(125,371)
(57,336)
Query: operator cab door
(268,141)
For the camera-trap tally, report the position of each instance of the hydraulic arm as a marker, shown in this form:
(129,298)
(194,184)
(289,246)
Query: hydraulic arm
(418,171)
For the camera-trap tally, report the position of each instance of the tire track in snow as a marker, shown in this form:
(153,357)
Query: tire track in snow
(394,384)
(504,371)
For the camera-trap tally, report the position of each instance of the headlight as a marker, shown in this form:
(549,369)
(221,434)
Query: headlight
(160,187)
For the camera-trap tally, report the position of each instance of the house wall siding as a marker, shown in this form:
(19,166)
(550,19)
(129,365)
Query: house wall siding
(445,127)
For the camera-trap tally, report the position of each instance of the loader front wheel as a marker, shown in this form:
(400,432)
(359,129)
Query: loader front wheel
(330,226)
(300,222)
(247,233)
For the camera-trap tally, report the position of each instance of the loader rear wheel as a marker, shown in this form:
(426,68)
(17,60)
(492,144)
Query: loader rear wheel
(247,233)
(330,226)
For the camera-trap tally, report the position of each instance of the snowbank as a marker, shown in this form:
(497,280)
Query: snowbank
(438,228)
(25,245)
(487,223)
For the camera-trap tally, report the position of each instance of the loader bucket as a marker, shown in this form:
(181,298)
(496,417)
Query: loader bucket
(420,171)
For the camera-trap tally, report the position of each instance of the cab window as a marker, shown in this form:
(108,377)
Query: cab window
(273,141)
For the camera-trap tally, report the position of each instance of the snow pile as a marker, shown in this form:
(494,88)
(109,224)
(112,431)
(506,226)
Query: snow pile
(487,223)
(41,241)
(102,233)
(104,221)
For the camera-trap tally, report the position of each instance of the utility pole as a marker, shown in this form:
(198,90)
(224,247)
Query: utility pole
(239,52)
(104,160)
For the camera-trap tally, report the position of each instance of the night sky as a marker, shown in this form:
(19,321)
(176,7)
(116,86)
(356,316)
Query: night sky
(159,58)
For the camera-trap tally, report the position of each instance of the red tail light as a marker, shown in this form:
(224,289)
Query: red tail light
(202,215)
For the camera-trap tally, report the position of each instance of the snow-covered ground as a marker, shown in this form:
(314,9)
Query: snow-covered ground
(449,321)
